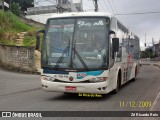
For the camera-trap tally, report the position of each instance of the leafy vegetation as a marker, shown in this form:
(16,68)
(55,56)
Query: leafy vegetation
(16,9)
(19,6)
(10,22)
(10,25)
(148,53)
(29,41)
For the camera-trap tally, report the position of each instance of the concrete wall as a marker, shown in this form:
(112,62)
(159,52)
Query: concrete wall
(32,22)
(41,10)
(17,57)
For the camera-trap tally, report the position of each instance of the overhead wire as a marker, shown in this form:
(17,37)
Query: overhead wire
(114,6)
(111,6)
(102,6)
(106,5)
(139,13)
(114,9)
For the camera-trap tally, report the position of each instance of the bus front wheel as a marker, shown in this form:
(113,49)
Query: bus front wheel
(115,91)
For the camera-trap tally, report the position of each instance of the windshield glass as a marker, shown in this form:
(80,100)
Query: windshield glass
(76,43)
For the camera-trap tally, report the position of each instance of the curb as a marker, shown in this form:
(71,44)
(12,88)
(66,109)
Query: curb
(154,64)
(7,68)
(145,64)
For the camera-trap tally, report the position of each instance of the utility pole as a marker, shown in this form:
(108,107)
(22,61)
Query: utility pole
(152,41)
(59,7)
(145,41)
(10,5)
(3,5)
(96,5)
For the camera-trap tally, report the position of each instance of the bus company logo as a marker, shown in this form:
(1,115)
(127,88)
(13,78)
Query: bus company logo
(82,75)
(23,114)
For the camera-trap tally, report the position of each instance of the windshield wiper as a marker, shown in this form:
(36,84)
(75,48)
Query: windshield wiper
(80,58)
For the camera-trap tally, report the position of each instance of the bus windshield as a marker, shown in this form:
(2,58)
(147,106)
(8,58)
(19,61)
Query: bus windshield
(76,43)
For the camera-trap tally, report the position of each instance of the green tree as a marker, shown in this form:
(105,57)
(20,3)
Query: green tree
(147,53)
(22,4)
(16,9)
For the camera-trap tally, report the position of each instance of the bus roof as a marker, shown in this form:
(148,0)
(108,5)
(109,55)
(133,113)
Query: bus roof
(78,14)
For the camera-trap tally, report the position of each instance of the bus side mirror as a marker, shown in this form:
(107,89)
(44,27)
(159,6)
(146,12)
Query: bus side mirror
(38,38)
(112,32)
(115,46)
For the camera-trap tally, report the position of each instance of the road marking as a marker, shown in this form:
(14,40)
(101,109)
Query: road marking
(152,108)
(21,91)
(155,102)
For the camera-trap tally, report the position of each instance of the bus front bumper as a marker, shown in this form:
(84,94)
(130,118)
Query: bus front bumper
(96,88)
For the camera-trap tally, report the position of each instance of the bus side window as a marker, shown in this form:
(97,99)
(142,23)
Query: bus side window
(119,55)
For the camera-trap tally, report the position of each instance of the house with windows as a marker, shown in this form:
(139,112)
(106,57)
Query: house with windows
(43,9)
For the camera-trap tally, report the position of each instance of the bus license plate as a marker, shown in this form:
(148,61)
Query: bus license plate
(70,88)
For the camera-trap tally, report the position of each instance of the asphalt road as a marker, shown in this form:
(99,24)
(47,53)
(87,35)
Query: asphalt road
(22,92)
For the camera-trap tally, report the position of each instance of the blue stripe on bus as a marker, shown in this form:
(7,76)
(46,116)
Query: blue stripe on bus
(47,71)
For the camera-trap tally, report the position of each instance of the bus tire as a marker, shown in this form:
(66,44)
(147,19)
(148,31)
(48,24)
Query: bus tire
(65,93)
(115,91)
(135,74)
(69,94)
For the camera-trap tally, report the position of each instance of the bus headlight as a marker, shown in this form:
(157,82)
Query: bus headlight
(98,79)
(43,77)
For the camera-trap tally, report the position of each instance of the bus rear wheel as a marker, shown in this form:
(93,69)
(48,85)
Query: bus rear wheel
(135,75)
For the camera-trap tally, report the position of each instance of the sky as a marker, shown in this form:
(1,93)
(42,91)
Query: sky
(140,24)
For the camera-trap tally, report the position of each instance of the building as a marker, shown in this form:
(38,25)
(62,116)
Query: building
(43,9)
(4,5)
(78,4)
(156,49)
(54,6)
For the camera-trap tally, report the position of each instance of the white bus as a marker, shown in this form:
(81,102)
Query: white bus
(89,52)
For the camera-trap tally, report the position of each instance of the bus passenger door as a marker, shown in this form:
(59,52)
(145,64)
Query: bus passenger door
(112,68)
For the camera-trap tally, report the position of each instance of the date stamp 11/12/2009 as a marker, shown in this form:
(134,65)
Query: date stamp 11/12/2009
(135,104)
